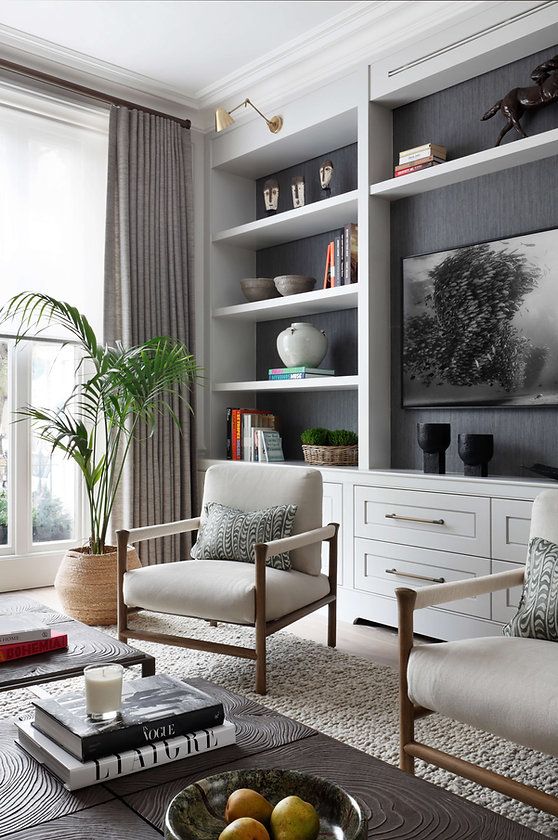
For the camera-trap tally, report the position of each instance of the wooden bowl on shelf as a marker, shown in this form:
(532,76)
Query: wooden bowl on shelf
(294,284)
(258,288)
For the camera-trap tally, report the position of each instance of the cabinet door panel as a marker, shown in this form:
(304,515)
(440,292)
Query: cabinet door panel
(427,520)
(332,511)
(511,521)
(506,601)
(381,567)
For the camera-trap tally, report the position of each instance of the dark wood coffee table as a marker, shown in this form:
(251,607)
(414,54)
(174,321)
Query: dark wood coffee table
(35,806)
(86,646)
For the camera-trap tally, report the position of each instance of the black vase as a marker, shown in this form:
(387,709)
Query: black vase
(476,451)
(434,439)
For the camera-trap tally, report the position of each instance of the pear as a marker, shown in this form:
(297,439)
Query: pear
(246,802)
(244,828)
(294,819)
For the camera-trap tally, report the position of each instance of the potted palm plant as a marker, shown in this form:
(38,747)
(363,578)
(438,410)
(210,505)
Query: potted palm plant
(119,394)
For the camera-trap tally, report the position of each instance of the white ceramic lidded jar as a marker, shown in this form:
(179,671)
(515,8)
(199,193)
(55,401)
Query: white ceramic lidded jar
(302,345)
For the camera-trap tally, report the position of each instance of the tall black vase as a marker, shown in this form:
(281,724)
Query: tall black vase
(434,439)
(476,451)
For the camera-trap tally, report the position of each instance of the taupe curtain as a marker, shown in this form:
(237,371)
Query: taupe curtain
(148,293)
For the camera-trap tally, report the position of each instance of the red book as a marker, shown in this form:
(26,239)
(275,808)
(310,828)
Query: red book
(18,650)
(414,168)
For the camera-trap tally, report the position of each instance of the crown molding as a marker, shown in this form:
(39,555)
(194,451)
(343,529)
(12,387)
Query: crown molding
(359,35)
(23,48)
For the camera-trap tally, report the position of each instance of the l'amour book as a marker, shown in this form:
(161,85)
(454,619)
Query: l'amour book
(153,709)
(75,774)
(22,628)
(19,650)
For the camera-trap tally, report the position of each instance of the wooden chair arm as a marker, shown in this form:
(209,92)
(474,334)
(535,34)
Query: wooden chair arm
(167,529)
(299,540)
(443,593)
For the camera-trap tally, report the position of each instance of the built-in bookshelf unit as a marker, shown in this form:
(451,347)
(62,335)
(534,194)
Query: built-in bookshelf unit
(245,242)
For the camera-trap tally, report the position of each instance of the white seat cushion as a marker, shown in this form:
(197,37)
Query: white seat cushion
(222,590)
(508,686)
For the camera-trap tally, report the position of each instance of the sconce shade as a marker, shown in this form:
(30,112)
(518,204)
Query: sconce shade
(222,119)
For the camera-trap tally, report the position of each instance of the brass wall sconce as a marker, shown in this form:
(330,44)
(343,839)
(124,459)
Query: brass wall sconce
(223,118)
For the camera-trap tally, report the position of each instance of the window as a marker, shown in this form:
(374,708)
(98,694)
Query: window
(53,158)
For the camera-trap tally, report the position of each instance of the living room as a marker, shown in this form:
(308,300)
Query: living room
(278,395)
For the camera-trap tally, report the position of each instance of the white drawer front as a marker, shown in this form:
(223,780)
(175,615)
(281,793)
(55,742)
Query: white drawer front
(511,521)
(332,511)
(381,567)
(506,601)
(435,520)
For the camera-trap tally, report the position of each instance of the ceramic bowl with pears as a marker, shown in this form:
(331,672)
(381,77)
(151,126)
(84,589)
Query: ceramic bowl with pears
(264,805)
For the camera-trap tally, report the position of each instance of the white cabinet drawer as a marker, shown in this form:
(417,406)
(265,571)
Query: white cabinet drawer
(381,567)
(506,601)
(511,521)
(332,511)
(429,520)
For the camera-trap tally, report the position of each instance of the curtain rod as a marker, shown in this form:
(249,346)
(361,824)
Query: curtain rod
(85,91)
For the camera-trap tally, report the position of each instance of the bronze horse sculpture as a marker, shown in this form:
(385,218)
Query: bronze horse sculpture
(521,99)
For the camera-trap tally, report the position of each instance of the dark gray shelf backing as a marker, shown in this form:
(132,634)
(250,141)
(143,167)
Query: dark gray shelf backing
(341,331)
(344,179)
(504,204)
(452,117)
(302,256)
(296,412)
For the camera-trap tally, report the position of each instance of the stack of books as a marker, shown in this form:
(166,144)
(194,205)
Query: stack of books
(252,435)
(342,258)
(26,635)
(162,719)
(298,373)
(421,157)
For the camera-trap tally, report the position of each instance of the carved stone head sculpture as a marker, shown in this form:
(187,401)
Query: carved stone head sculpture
(271,195)
(297,187)
(326,174)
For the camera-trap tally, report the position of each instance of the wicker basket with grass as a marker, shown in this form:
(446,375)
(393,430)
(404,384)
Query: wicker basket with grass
(337,448)
(331,456)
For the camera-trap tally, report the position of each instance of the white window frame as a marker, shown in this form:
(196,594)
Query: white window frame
(23,563)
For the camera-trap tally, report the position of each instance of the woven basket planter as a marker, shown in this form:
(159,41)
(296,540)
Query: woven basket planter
(86,584)
(331,456)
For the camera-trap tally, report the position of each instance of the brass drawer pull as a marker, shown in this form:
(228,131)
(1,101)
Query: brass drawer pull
(416,577)
(415,519)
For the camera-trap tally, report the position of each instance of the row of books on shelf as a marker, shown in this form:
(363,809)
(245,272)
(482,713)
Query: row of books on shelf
(341,267)
(24,635)
(252,435)
(162,719)
(421,157)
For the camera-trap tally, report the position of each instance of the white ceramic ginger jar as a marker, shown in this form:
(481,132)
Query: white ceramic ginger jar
(302,345)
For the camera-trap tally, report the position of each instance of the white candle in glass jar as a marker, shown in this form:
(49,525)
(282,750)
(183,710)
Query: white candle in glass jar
(103,690)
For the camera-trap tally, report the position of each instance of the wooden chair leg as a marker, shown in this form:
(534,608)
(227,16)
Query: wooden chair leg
(406,602)
(332,624)
(212,623)
(261,634)
(121,566)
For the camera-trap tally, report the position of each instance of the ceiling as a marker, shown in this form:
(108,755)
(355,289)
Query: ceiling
(186,45)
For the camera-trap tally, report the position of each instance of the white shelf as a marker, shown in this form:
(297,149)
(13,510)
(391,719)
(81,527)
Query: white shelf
(321,216)
(325,383)
(486,162)
(308,303)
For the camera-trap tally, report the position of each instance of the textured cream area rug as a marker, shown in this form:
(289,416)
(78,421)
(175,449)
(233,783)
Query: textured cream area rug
(348,698)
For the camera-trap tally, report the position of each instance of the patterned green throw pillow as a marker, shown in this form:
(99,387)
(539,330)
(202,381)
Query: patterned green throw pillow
(230,534)
(537,614)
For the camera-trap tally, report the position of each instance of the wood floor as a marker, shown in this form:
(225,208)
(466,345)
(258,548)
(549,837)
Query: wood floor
(378,644)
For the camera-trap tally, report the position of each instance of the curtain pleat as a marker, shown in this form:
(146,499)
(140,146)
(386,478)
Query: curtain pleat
(149,292)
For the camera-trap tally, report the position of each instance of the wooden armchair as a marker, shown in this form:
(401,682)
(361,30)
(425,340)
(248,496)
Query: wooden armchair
(233,592)
(504,685)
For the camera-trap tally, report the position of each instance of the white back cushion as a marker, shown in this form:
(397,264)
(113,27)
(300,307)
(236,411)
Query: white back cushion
(257,486)
(544,518)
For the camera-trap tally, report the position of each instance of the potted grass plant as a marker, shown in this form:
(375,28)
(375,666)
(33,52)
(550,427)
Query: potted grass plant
(119,394)
(330,447)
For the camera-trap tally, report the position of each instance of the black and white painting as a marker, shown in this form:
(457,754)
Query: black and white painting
(480,324)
